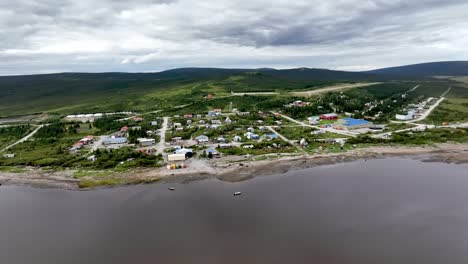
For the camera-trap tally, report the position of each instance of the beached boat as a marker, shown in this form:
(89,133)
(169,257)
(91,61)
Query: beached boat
(171,189)
(237,193)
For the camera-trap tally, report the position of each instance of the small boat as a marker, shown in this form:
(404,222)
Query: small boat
(171,189)
(237,193)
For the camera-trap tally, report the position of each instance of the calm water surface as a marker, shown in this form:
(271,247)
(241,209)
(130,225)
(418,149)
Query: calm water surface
(379,211)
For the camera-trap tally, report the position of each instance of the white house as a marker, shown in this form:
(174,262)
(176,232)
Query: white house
(202,139)
(145,142)
(176,157)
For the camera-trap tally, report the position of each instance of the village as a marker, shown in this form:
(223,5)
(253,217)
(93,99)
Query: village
(228,136)
(190,140)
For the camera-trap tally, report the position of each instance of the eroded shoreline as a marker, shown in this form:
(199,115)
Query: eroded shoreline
(235,171)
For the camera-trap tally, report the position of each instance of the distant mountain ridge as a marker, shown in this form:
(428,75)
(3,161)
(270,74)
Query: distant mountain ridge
(443,68)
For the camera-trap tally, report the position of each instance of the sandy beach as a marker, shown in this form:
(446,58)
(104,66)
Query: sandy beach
(234,171)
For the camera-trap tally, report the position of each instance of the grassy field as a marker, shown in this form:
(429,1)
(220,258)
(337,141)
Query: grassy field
(9,135)
(455,107)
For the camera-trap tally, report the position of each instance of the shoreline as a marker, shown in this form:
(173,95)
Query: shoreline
(233,171)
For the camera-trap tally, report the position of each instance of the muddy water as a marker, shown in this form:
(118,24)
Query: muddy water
(379,211)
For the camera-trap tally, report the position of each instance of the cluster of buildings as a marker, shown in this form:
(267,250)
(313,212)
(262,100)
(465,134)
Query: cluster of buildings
(82,143)
(416,110)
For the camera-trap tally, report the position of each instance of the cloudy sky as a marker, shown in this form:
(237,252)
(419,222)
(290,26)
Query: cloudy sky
(43,36)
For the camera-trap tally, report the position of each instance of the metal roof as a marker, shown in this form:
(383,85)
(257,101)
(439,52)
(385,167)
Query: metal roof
(355,122)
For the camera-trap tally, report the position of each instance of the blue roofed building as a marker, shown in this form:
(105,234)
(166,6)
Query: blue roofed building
(271,136)
(351,123)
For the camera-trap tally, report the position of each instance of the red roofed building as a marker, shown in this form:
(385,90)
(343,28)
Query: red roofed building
(78,145)
(124,129)
(217,110)
(137,118)
(188,116)
(329,117)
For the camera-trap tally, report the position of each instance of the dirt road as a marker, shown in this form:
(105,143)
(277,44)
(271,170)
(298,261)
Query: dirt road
(162,135)
(336,87)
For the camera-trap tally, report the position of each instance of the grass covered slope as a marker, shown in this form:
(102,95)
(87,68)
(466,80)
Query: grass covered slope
(67,93)
(455,107)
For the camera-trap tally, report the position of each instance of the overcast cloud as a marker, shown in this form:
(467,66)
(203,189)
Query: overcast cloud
(42,36)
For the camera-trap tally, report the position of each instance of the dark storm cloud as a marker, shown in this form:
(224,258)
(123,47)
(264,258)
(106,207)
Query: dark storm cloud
(143,35)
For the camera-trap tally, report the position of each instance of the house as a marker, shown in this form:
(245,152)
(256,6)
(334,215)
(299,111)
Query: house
(176,157)
(9,156)
(124,129)
(278,122)
(318,132)
(136,128)
(178,129)
(408,116)
(154,123)
(303,142)
(250,129)
(145,142)
(243,113)
(228,120)
(189,122)
(237,138)
(217,110)
(331,116)
(213,153)
(202,139)
(214,126)
(137,118)
(201,122)
(221,140)
(216,122)
(248,146)
(91,158)
(314,120)
(176,139)
(87,140)
(209,96)
(177,125)
(225,146)
(251,135)
(186,151)
(78,145)
(114,140)
(298,104)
